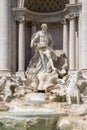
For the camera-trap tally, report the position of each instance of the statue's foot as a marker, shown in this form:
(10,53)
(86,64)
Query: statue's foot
(54,69)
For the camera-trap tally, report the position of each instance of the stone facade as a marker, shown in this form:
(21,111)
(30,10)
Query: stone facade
(18,22)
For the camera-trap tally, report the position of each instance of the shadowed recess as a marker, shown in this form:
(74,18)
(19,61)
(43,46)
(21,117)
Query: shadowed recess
(44,6)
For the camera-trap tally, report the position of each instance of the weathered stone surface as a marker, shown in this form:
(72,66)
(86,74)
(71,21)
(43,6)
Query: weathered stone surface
(3,107)
(71,123)
(78,110)
(2,83)
(74,118)
(28,124)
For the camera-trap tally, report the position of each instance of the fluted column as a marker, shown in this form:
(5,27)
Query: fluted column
(84,36)
(21,46)
(5,38)
(72,51)
(65,38)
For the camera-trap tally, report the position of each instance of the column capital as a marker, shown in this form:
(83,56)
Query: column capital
(78,16)
(20,19)
(64,21)
(71,16)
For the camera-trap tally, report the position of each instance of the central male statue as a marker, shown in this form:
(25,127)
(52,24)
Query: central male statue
(47,64)
(43,43)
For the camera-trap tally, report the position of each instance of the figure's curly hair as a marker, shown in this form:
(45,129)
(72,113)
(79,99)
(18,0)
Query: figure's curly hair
(44,25)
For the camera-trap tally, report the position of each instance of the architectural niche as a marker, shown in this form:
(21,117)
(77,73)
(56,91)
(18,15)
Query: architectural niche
(62,25)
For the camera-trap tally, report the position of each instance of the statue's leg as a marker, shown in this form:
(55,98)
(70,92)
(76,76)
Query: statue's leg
(42,60)
(50,60)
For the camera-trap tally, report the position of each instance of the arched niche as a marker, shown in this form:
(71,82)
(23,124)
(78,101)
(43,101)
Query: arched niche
(44,11)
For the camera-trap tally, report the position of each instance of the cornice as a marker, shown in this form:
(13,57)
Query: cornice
(33,16)
(47,17)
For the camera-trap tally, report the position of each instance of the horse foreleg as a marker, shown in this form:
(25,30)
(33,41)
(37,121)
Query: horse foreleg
(78,98)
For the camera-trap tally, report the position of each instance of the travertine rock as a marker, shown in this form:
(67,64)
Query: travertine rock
(35,123)
(71,123)
(44,80)
(3,107)
(2,83)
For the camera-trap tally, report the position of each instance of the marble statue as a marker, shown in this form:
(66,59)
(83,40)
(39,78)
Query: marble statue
(72,88)
(42,41)
(45,69)
(47,64)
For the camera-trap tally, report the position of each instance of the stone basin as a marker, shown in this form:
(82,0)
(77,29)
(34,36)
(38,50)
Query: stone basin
(34,112)
(29,120)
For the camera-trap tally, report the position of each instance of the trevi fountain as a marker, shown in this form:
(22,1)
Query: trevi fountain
(43,84)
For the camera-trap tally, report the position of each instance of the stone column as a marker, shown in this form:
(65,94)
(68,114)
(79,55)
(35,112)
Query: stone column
(77,52)
(21,47)
(84,36)
(72,1)
(5,38)
(80,36)
(65,38)
(13,39)
(72,50)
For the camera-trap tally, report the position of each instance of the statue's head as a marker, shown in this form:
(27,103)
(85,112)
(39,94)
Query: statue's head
(44,27)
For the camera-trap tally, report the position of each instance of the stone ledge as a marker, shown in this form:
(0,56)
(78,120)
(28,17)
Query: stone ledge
(6,73)
(29,121)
